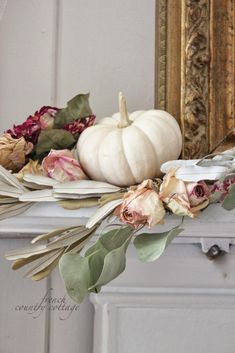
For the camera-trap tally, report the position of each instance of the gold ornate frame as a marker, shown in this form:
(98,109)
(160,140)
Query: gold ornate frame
(195,71)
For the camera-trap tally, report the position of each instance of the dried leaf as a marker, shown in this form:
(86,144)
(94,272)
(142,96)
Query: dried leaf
(39,179)
(56,139)
(13,209)
(77,107)
(81,203)
(10,179)
(45,195)
(103,212)
(85,187)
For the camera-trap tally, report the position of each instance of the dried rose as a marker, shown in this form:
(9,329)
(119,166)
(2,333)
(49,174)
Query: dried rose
(173,192)
(141,206)
(197,192)
(31,128)
(222,186)
(61,166)
(13,152)
(32,167)
(47,115)
(78,126)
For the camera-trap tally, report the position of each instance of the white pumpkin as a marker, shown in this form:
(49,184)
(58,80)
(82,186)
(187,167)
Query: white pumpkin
(127,149)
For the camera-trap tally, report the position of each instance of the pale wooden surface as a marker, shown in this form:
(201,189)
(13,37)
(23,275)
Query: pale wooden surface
(54,49)
(183,299)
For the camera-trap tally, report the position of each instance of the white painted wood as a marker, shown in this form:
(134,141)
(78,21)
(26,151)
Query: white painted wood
(180,303)
(46,215)
(3,5)
(106,46)
(165,320)
(26,60)
(183,273)
(21,329)
(72,330)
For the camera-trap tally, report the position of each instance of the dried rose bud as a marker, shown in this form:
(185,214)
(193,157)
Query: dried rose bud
(61,166)
(31,128)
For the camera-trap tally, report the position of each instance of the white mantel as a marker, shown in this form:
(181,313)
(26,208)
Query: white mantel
(181,303)
(214,223)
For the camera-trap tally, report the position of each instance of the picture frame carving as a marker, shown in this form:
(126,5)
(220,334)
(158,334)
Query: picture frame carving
(195,71)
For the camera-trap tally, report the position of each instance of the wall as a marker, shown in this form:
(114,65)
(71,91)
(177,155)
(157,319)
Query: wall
(53,49)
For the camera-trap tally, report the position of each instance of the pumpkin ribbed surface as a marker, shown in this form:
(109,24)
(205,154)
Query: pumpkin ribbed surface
(128,155)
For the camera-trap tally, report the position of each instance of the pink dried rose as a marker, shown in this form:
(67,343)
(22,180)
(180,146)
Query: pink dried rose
(31,128)
(78,126)
(197,192)
(13,152)
(141,206)
(183,199)
(62,166)
(223,186)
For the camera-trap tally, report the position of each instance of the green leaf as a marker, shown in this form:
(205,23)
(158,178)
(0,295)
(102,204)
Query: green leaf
(229,201)
(114,264)
(104,261)
(150,246)
(75,272)
(77,107)
(107,256)
(54,139)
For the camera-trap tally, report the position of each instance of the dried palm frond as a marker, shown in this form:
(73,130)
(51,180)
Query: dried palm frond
(45,257)
(10,191)
(103,212)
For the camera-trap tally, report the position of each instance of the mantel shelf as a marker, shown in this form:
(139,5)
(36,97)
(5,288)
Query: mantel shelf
(214,222)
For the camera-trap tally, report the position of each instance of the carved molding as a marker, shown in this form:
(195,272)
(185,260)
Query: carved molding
(196,53)
(195,77)
(222,74)
(161,44)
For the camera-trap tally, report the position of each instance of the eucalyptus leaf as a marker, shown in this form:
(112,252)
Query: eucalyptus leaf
(114,264)
(54,139)
(151,246)
(77,107)
(229,201)
(107,256)
(75,272)
(104,261)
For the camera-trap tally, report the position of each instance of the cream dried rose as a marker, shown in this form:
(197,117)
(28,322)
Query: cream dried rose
(32,167)
(62,166)
(13,152)
(141,206)
(183,199)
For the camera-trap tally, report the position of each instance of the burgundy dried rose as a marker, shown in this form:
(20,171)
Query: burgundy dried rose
(78,126)
(31,128)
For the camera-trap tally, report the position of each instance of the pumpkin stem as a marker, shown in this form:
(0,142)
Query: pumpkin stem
(124,118)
